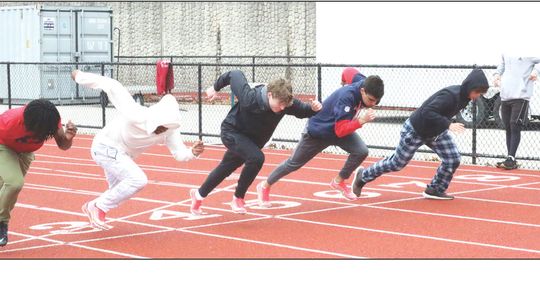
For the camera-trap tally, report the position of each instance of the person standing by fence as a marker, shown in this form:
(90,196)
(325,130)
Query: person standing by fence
(515,75)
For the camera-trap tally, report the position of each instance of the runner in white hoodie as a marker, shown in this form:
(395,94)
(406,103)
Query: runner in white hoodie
(116,146)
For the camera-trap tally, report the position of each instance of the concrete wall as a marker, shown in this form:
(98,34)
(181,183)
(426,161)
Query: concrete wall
(210,28)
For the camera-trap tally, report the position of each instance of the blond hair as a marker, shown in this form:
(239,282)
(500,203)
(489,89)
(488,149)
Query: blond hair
(281,89)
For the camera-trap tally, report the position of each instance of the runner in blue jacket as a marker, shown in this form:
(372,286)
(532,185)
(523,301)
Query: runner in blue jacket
(335,124)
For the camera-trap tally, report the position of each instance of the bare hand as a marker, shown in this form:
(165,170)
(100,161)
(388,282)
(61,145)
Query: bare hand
(315,105)
(211,94)
(457,127)
(74,74)
(533,76)
(366,116)
(197,148)
(71,130)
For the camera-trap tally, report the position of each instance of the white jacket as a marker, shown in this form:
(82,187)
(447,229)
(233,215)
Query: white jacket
(133,131)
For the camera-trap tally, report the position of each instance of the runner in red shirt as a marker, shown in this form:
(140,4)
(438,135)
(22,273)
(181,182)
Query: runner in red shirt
(23,131)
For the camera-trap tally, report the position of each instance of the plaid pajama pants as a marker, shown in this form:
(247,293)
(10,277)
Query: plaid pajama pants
(443,145)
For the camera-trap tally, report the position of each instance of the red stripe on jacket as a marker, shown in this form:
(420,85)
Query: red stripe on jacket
(345,127)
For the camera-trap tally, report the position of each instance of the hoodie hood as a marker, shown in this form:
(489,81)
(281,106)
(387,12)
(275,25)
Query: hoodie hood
(164,113)
(348,75)
(358,77)
(475,80)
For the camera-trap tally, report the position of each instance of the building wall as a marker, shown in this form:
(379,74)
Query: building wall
(209,28)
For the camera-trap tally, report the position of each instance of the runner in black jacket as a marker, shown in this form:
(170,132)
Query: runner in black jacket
(429,126)
(248,126)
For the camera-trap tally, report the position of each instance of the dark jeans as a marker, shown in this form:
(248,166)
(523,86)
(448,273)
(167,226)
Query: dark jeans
(240,150)
(513,114)
(309,146)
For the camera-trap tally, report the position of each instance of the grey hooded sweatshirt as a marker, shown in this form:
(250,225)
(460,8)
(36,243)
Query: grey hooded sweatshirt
(515,72)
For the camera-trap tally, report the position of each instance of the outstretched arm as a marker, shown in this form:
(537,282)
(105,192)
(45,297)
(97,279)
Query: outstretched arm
(239,86)
(117,93)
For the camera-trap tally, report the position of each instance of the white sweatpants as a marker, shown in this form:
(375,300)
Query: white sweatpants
(125,178)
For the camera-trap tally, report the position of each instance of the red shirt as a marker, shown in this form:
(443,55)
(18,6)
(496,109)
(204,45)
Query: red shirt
(13,133)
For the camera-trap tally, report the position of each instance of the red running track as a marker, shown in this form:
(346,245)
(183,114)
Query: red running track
(496,214)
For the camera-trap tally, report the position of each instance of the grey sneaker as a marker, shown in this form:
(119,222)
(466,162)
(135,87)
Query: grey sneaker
(358,183)
(431,193)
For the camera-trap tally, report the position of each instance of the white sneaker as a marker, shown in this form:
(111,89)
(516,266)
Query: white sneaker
(263,196)
(195,203)
(96,216)
(238,205)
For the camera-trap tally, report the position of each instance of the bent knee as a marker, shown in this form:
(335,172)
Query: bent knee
(256,159)
(139,181)
(13,184)
(360,154)
(453,163)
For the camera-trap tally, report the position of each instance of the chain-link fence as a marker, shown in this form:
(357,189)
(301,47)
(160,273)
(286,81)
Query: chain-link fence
(406,88)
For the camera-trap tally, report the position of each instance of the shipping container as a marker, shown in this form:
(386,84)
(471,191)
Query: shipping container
(45,35)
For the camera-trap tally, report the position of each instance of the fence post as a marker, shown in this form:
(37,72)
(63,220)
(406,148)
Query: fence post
(319,85)
(103,105)
(474,109)
(199,76)
(474,106)
(9,84)
(253,69)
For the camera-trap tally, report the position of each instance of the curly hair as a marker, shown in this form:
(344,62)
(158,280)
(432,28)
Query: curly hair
(41,118)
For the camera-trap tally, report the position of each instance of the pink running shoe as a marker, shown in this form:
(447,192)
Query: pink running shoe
(96,216)
(195,203)
(344,189)
(237,205)
(263,196)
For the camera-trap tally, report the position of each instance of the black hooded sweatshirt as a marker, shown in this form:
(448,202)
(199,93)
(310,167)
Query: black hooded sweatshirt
(435,114)
(252,115)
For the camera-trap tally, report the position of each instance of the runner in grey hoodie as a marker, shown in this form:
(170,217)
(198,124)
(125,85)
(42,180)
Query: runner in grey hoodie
(515,75)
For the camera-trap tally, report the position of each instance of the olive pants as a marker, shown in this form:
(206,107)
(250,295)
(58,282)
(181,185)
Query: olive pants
(13,168)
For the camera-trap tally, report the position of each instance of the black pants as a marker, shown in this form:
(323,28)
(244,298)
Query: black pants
(513,114)
(240,150)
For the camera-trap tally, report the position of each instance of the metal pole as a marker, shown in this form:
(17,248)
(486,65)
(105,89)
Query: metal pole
(473,152)
(253,69)
(9,84)
(103,118)
(474,108)
(319,86)
(118,50)
(199,71)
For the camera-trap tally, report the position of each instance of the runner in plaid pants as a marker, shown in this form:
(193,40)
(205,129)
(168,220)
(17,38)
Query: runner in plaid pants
(429,126)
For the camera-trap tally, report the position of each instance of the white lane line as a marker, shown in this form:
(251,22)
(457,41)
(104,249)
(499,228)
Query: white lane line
(419,236)
(275,244)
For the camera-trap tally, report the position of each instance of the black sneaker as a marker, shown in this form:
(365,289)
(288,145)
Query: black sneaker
(509,164)
(431,193)
(3,234)
(358,183)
